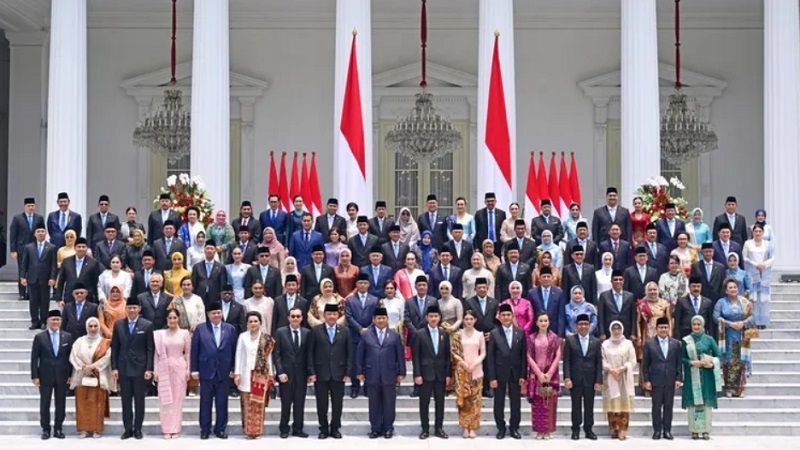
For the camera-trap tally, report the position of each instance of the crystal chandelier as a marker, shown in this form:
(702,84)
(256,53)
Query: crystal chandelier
(423,135)
(683,136)
(167,131)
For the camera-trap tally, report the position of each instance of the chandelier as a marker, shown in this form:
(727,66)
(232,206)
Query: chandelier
(683,136)
(423,135)
(167,131)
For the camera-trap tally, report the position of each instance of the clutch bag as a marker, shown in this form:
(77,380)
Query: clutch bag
(90,381)
(751,333)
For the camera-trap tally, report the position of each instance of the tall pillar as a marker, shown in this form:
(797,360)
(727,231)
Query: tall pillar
(211,115)
(67,102)
(781,134)
(641,141)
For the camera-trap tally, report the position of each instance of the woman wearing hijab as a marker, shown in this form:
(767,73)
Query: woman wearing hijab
(171,369)
(427,256)
(452,309)
(673,284)
(173,277)
(127,227)
(405,278)
(759,254)
(741,276)
(733,315)
(491,260)
(619,360)
(196,253)
(91,379)
(114,276)
(221,232)
(571,222)
(544,354)
(701,378)
(577,306)
(112,310)
(409,231)
(604,274)
(478,270)
(277,252)
(69,247)
(761,219)
(253,371)
(548,245)
(545,259)
(327,296)
(137,244)
(699,233)
(289,268)
(523,309)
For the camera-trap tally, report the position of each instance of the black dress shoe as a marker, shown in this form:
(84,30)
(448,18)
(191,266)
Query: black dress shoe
(441,434)
(234,394)
(414,392)
(336,435)
(373,435)
(424,435)
(501,434)
(126,435)
(299,434)
(138,434)
(284,435)
(322,435)
(591,435)
(221,435)
(515,434)
(656,436)
(576,435)
(45,435)
(388,434)
(668,435)
(34,326)
(204,436)
(354,393)
(58,434)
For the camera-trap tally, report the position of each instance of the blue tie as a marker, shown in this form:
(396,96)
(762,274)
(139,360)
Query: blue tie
(435,340)
(79,308)
(168,244)
(546,297)
(30,222)
(508,336)
(40,249)
(216,334)
(147,277)
(78,266)
(421,302)
(380,337)
(618,302)
(491,225)
(483,305)
(273,216)
(290,302)
(63,220)
(330,334)
(130,327)
(664,347)
(375,274)
(103,219)
(445,273)
(584,345)
(208,269)
(54,341)
(696,306)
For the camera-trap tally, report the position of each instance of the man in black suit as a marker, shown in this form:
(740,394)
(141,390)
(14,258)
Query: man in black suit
(78,267)
(157,219)
(616,304)
(583,376)
(434,221)
(488,222)
(97,222)
(724,246)
(620,248)
(507,352)
(414,313)
(76,313)
(290,355)
(394,251)
(208,276)
(590,252)
(668,228)
(21,233)
(264,272)
(550,300)
(248,247)
(330,361)
(154,303)
(512,270)
(611,213)
(545,221)
(141,278)
(711,273)
(167,245)
(62,219)
(430,354)
(445,271)
(38,274)
(462,249)
(378,225)
(313,274)
(638,275)
(104,249)
(580,274)
(693,304)
(526,245)
(284,303)
(485,309)
(661,368)
(657,253)
(132,350)
(361,243)
(51,371)
(232,312)
(737,222)
(246,220)
(330,219)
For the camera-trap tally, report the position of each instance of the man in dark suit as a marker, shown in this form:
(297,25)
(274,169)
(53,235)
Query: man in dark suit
(268,275)
(165,246)
(157,219)
(394,251)
(232,312)
(526,245)
(38,274)
(76,313)
(583,376)
(381,365)
(208,276)
(549,299)
(485,309)
(711,273)
(330,219)
(512,270)
(461,248)
(724,246)
(579,273)
(693,304)
(737,222)
(330,361)
(284,303)
(248,247)
(620,248)
(444,271)
(434,221)
(51,371)
(104,249)
(507,352)
(379,225)
(545,221)
(378,274)
(430,354)
(213,355)
(78,267)
(274,217)
(616,304)
(590,252)
(246,220)
(290,355)
(97,222)
(361,243)
(657,253)
(611,213)
(638,275)
(132,351)
(359,309)
(141,278)
(154,303)
(668,228)
(302,241)
(488,222)
(21,233)
(62,219)
(313,274)
(414,313)
(661,368)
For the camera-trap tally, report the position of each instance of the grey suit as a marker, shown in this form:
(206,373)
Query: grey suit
(662,372)
(95,229)
(163,260)
(155,312)
(538,225)
(507,365)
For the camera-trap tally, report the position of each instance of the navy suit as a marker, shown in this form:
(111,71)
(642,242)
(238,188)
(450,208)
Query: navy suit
(658,260)
(622,257)
(20,235)
(279,224)
(301,250)
(214,363)
(376,285)
(435,278)
(439,229)
(556,305)
(381,364)
(665,238)
(132,355)
(733,247)
(358,318)
(74,222)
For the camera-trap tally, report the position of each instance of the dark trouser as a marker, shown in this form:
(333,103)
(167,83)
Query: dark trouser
(214,390)
(336,391)
(663,397)
(20,287)
(382,400)
(132,392)
(293,394)
(39,302)
(515,401)
(582,395)
(355,383)
(425,390)
(45,395)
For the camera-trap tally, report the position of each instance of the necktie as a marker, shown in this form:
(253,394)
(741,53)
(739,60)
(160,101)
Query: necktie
(519,242)
(330,222)
(317,272)
(725,246)
(483,305)
(547,220)
(671,227)
(613,213)
(458,249)
(708,271)
(130,326)
(380,337)
(243,246)
(582,244)
(110,246)
(330,334)
(732,220)
(216,334)
(208,269)
(664,347)
(30,222)
(363,301)
(147,277)
(584,345)
(618,301)
(579,271)
(435,341)
(616,246)
(164,215)
(641,273)
(308,237)
(78,309)
(54,341)
(103,219)
(445,273)
(168,244)
(296,341)
(514,271)
(63,220)
(433,220)
(396,250)
(40,249)
(696,302)
(264,274)
(78,266)
(226,307)
(290,301)
(244,222)
(273,216)
(546,297)
(653,249)
(363,240)
(508,336)
(421,304)
(380,226)
(491,225)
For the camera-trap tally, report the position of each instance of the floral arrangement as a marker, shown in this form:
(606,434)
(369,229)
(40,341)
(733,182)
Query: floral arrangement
(186,192)
(655,194)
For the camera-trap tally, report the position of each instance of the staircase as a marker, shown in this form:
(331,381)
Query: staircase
(771,406)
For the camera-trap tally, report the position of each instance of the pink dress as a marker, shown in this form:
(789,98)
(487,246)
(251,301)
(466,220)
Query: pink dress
(474,350)
(171,362)
(523,312)
(544,354)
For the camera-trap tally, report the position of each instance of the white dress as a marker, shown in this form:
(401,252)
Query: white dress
(107,279)
(246,350)
(396,308)
(603,280)
(195,310)
(264,306)
(196,254)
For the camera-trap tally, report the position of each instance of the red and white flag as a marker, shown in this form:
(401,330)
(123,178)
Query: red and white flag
(283,185)
(305,186)
(294,188)
(316,195)
(541,180)
(564,187)
(555,195)
(274,184)
(574,182)
(532,198)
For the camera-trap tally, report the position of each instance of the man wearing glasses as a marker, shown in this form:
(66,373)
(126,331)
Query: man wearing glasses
(291,361)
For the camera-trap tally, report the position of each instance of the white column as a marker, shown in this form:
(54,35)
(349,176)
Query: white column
(496,16)
(211,124)
(781,134)
(66,112)
(349,184)
(641,142)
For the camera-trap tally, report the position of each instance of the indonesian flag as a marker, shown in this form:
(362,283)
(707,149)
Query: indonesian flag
(532,198)
(564,186)
(294,189)
(316,195)
(541,180)
(274,185)
(574,182)
(555,195)
(498,139)
(283,185)
(305,187)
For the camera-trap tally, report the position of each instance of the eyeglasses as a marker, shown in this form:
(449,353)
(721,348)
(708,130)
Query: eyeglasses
(294,316)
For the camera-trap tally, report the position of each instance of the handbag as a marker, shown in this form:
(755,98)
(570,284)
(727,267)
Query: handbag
(751,333)
(90,381)
(545,391)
